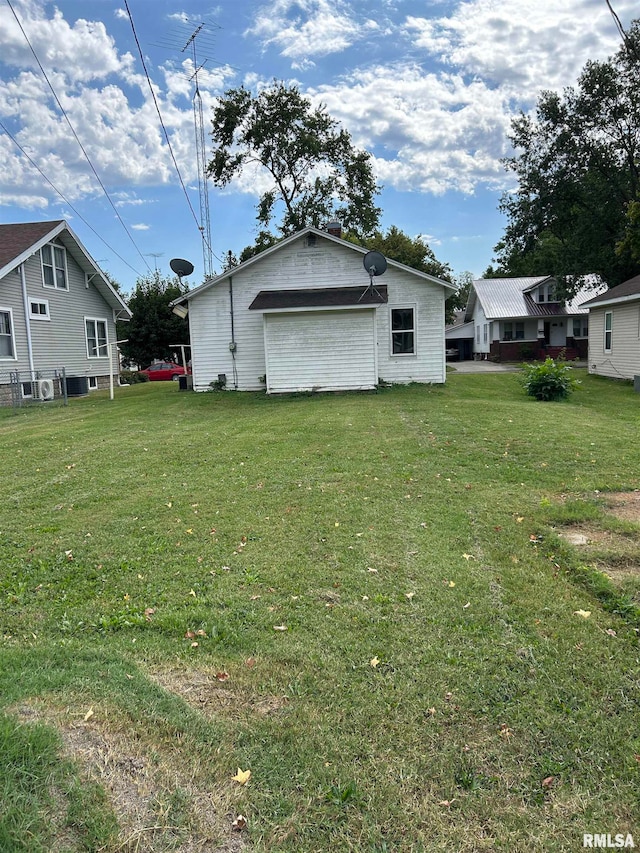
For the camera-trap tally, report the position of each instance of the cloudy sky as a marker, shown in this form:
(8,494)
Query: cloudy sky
(428,88)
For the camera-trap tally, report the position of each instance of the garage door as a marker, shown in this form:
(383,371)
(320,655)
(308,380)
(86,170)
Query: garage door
(321,351)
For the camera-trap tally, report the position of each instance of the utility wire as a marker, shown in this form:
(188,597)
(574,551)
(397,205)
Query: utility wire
(66,200)
(164,129)
(62,110)
(629,43)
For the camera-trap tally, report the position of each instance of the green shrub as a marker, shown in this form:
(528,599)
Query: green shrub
(549,380)
(132,377)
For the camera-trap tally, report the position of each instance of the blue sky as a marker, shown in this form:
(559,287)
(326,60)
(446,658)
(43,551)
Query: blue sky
(428,88)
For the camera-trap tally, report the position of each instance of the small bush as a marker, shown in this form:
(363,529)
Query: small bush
(549,380)
(132,377)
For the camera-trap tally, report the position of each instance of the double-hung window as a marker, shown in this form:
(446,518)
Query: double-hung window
(608,330)
(7,346)
(403,331)
(97,344)
(54,267)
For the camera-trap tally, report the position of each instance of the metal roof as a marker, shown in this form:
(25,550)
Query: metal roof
(504,298)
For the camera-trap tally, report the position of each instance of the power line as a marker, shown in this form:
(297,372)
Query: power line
(629,43)
(65,199)
(62,110)
(164,129)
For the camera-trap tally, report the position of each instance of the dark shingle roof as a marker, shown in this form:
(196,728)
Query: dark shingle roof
(16,239)
(321,297)
(625,290)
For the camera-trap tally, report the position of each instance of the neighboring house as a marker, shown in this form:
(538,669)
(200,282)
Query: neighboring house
(304,316)
(614,331)
(511,319)
(57,312)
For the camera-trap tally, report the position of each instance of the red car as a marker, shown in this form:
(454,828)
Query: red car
(164,370)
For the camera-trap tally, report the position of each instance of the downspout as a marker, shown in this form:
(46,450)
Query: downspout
(27,324)
(232,344)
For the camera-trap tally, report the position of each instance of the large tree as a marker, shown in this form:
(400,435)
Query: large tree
(315,171)
(154,329)
(577,164)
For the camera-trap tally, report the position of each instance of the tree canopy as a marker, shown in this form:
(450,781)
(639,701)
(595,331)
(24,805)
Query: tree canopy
(153,327)
(317,172)
(575,210)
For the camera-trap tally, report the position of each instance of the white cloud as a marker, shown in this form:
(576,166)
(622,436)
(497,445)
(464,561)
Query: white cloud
(427,132)
(524,46)
(303,28)
(140,226)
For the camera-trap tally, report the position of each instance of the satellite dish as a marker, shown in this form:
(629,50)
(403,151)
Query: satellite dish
(181,267)
(375,263)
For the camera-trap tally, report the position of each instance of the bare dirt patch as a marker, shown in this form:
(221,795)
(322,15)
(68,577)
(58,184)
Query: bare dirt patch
(624,505)
(142,790)
(205,692)
(615,554)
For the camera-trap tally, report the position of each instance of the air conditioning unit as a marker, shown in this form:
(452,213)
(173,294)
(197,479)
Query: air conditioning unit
(44,389)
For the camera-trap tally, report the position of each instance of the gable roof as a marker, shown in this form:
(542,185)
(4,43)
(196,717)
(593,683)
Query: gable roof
(503,298)
(626,292)
(310,230)
(19,241)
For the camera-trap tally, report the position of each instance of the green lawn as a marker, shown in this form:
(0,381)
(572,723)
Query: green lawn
(363,599)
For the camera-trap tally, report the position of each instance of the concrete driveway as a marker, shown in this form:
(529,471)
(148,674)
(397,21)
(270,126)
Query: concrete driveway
(492,366)
(482,367)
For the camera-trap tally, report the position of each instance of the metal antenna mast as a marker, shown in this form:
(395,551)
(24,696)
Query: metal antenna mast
(203,184)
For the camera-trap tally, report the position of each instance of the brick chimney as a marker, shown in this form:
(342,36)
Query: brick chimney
(334,228)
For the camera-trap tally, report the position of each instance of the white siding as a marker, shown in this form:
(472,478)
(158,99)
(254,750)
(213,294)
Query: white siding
(297,266)
(320,351)
(623,362)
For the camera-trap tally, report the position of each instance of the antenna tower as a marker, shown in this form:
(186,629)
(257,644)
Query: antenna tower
(203,184)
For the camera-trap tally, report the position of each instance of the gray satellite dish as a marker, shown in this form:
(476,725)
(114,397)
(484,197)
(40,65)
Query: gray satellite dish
(181,267)
(375,263)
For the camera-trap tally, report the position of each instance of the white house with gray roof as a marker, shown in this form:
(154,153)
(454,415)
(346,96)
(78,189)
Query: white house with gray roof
(514,319)
(305,316)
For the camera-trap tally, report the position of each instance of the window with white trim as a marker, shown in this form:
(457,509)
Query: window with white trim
(39,309)
(403,331)
(54,267)
(97,344)
(608,330)
(7,345)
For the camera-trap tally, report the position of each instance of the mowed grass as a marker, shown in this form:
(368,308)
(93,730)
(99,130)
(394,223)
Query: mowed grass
(360,598)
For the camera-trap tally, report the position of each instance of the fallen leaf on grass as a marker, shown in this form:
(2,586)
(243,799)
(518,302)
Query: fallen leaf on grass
(242,776)
(239,823)
(250,662)
(584,613)
(468,557)
(222,676)
(89,714)
(148,613)
(611,632)
(280,628)
(548,782)
(446,803)
(451,583)
(409,595)
(374,662)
